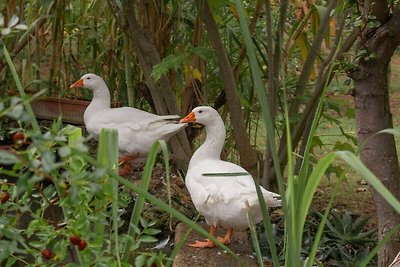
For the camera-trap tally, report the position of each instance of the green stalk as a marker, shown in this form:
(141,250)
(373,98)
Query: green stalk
(293,237)
(145,182)
(258,83)
(257,78)
(73,136)
(180,244)
(21,90)
(267,224)
(310,260)
(381,243)
(128,73)
(107,155)
(253,233)
(114,210)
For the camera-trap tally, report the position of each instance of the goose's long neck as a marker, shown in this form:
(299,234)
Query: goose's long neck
(101,101)
(215,138)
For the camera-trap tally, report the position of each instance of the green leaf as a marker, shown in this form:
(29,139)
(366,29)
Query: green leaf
(64,151)
(10,261)
(151,231)
(140,260)
(224,174)
(343,146)
(168,63)
(147,239)
(203,52)
(37,244)
(391,131)
(7,158)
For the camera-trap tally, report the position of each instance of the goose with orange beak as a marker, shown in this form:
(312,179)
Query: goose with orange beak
(137,129)
(221,191)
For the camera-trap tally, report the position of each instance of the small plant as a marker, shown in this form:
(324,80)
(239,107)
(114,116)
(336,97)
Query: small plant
(344,242)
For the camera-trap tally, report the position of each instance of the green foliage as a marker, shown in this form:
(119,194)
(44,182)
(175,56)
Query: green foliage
(171,62)
(345,240)
(55,194)
(55,171)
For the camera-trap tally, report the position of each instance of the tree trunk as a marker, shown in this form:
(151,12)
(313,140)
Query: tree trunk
(371,97)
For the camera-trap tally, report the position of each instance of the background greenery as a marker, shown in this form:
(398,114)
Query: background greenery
(52,43)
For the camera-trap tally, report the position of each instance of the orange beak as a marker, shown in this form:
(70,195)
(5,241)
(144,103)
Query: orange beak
(78,83)
(189,118)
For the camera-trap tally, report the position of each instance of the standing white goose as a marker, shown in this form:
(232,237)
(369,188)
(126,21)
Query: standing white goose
(222,200)
(137,129)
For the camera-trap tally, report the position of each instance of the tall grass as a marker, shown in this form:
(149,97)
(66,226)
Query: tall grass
(300,189)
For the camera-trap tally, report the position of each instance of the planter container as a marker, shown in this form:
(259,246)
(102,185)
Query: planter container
(50,107)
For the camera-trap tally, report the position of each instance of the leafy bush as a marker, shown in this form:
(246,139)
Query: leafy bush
(55,207)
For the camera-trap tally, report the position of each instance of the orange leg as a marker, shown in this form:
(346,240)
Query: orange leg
(126,166)
(205,244)
(227,238)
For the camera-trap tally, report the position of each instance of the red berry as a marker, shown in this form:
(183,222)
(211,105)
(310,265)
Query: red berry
(18,137)
(46,253)
(82,245)
(75,240)
(5,197)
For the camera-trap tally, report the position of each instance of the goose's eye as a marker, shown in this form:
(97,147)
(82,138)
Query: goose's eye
(200,111)
(88,78)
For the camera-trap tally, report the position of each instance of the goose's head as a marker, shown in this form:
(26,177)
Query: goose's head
(90,81)
(202,115)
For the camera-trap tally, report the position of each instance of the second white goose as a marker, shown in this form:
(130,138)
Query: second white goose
(222,197)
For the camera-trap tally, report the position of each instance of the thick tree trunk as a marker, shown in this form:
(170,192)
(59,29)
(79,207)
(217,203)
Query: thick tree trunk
(373,115)
(379,153)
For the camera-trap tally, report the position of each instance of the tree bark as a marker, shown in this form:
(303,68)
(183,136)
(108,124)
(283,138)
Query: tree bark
(248,156)
(372,105)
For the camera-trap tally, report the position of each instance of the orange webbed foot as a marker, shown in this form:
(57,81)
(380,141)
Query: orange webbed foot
(203,244)
(224,240)
(125,168)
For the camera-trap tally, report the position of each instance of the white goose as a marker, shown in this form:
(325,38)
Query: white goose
(222,200)
(137,129)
